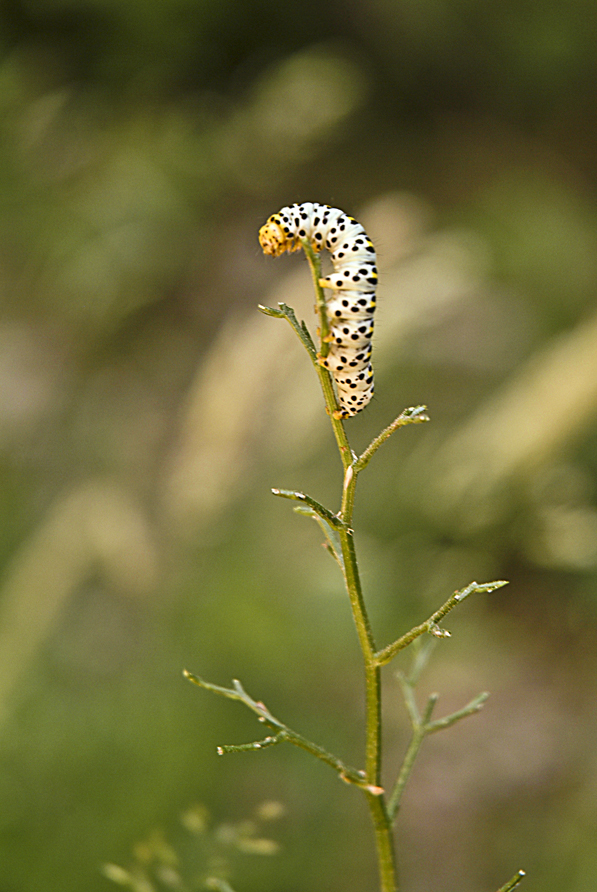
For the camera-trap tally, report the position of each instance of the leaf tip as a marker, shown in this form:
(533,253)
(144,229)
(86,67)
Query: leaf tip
(416,413)
(270,311)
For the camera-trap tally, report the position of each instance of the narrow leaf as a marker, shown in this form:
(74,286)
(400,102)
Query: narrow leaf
(325,513)
(431,625)
(412,415)
(475,588)
(270,311)
(470,709)
(511,884)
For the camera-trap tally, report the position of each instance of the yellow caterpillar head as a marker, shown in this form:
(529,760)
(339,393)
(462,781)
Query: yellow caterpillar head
(273,239)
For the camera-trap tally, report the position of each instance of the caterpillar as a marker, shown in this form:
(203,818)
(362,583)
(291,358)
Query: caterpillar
(351,306)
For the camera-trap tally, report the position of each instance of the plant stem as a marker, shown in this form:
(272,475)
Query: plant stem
(377,805)
(325,378)
(384,842)
(372,673)
(324,325)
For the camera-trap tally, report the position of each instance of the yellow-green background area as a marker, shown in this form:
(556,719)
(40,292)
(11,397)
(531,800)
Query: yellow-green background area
(147,408)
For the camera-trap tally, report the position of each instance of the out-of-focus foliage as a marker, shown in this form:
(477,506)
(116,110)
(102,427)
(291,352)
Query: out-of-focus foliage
(202,857)
(146,409)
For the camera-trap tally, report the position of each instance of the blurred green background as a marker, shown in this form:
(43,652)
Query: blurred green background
(146,409)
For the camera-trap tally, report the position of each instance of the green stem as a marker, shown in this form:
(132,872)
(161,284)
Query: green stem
(324,325)
(379,814)
(325,379)
(384,843)
(372,673)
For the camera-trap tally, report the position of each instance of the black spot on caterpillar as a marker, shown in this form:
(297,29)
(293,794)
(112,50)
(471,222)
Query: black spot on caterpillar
(351,306)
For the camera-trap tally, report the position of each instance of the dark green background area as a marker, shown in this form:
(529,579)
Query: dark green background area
(146,409)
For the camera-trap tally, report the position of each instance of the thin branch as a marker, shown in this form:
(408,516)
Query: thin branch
(284,734)
(422,726)
(413,415)
(513,883)
(334,521)
(419,726)
(470,709)
(286,312)
(429,707)
(405,772)
(431,625)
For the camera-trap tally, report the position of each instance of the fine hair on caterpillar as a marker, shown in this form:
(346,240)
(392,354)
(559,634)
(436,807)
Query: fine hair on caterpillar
(351,304)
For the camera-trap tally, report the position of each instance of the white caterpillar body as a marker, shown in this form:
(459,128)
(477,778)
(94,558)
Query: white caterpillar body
(351,306)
